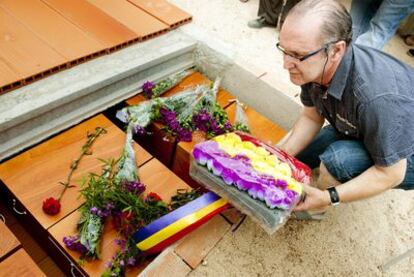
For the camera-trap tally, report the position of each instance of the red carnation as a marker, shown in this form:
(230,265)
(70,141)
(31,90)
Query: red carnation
(51,206)
(152,196)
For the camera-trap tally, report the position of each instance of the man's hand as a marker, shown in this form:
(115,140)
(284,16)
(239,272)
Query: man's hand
(315,199)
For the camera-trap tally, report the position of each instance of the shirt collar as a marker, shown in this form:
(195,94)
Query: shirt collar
(340,77)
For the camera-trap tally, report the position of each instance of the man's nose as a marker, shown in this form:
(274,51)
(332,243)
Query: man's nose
(288,62)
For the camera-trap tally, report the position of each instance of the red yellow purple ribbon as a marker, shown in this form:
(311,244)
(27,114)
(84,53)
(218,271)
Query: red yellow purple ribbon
(180,225)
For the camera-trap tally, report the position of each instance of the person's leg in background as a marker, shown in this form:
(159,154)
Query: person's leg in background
(362,11)
(268,14)
(383,24)
(285,10)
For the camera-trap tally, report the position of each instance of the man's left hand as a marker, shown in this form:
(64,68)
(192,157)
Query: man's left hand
(315,199)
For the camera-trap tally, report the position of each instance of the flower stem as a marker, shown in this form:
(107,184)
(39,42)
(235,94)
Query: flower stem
(85,151)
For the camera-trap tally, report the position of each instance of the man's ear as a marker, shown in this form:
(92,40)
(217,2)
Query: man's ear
(337,50)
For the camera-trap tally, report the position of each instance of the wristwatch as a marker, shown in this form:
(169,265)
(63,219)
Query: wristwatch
(333,193)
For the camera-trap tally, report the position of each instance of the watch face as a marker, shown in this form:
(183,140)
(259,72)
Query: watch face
(334,196)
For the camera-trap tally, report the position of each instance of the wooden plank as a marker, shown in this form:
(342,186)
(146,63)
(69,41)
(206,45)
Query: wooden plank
(7,75)
(48,164)
(64,37)
(8,241)
(93,21)
(158,179)
(181,159)
(143,24)
(20,264)
(164,11)
(24,52)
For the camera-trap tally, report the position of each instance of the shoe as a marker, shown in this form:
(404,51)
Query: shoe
(258,23)
(307,215)
(410,52)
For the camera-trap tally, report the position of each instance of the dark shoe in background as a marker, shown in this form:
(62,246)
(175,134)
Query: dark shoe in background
(258,23)
(410,52)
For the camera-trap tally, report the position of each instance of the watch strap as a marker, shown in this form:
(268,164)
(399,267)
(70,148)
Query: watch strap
(333,194)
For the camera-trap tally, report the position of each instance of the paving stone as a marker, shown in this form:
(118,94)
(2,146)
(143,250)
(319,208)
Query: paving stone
(195,246)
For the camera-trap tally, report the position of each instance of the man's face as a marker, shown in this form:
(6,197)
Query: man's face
(299,37)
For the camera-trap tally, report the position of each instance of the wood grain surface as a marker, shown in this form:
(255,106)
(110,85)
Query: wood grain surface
(35,174)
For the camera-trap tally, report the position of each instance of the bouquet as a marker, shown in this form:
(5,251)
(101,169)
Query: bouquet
(183,113)
(118,194)
(152,90)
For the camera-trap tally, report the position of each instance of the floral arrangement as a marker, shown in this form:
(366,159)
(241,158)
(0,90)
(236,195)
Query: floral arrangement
(51,205)
(182,114)
(152,90)
(118,195)
(252,167)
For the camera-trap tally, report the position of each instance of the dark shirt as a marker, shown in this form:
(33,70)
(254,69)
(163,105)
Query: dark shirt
(370,98)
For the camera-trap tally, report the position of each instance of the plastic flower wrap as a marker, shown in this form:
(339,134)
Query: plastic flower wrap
(127,169)
(152,90)
(241,123)
(263,172)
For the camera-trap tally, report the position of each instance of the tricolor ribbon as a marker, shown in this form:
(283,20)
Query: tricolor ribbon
(169,228)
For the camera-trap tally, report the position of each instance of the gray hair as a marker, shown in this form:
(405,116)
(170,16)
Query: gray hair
(336,20)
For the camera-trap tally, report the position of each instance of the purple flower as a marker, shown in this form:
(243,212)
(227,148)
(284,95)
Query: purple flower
(168,115)
(184,135)
(215,128)
(122,263)
(73,243)
(201,120)
(281,183)
(108,264)
(94,210)
(135,187)
(131,261)
(227,126)
(147,89)
(139,130)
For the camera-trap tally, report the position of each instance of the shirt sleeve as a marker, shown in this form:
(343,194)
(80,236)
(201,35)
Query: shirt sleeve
(387,125)
(305,96)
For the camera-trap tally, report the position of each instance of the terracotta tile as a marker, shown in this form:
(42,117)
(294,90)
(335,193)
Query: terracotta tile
(195,246)
(164,11)
(232,215)
(48,163)
(143,24)
(8,241)
(23,51)
(67,227)
(166,264)
(7,75)
(260,126)
(20,264)
(30,244)
(51,27)
(93,21)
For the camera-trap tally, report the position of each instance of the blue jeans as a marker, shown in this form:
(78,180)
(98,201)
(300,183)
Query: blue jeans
(374,22)
(345,159)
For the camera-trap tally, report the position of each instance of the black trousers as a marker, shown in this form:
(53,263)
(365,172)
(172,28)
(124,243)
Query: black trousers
(272,9)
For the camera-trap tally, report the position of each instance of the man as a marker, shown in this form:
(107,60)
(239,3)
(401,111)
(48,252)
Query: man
(367,97)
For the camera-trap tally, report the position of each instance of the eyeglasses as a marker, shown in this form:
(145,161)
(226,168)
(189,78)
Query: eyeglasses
(302,58)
